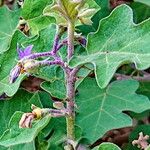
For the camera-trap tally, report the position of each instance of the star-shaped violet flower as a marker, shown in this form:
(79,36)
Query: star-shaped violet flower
(18,69)
(23,53)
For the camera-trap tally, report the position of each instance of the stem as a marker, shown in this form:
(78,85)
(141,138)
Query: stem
(58,36)
(70,119)
(47,63)
(37,55)
(56,42)
(145,78)
(54,112)
(70,39)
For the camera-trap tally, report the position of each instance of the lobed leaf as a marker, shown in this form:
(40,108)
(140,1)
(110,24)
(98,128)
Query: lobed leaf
(8,24)
(138,9)
(21,101)
(42,42)
(56,89)
(118,41)
(15,135)
(103,12)
(147,2)
(101,110)
(7,62)
(32,12)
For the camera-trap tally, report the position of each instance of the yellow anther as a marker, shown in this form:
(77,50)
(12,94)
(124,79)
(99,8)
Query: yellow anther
(37,112)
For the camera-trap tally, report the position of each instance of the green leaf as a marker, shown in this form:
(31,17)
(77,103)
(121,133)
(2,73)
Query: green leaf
(10,89)
(103,12)
(8,23)
(14,135)
(57,130)
(56,89)
(21,101)
(45,99)
(141,11)
(83,73)
(54,134)
(42,42)
(118,41)
(30,146)
(32,12)
(147,2)
(144,89)
(7,62)
(108,146)
(100,110)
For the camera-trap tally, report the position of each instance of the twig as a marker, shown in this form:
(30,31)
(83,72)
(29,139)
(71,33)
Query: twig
(145,78)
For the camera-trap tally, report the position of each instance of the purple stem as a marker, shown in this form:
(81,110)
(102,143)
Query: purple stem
(52,53)
(58,113)
(37,55)
(56,62)
(64,42)
(56,42)
(49,63)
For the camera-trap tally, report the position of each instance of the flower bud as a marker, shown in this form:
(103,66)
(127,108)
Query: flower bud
(26,120)
(86,21)
(14,73)
(37,112)
(87,13)
(58,105)
(29,65)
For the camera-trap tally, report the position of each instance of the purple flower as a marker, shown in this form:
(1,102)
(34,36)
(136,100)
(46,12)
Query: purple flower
(22,53)
(14,73)
(18,69)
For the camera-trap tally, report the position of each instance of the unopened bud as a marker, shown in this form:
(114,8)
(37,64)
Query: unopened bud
(58,105)
(26,120)
(87,13)
(36,111)
(86,21)
(14,74)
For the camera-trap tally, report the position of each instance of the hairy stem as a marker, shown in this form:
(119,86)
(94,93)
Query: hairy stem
(70,39)
(47,63)
(38,55)
(70,119)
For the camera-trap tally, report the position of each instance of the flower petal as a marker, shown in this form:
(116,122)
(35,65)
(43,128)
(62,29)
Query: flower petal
(27,51)
(14,74)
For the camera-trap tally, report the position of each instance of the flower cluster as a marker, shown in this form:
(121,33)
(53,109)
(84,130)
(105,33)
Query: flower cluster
(22,65)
